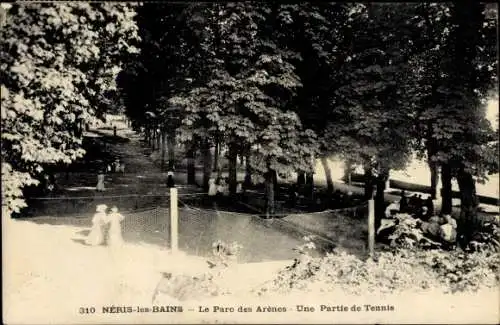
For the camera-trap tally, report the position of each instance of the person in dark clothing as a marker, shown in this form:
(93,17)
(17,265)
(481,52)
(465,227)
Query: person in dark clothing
(419,205)
(292,196)
(403,203)
(429,204)
(412,204)
(170,179)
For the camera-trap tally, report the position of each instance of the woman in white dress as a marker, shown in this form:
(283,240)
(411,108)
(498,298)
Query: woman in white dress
(115,230)
(96,235)
(212,187)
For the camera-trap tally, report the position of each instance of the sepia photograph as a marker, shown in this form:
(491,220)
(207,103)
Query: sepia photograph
(250,162)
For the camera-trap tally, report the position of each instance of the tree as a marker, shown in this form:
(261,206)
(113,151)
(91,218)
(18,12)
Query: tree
(52,75)
(246,104)
(454,73)
(463,143)
(371,110)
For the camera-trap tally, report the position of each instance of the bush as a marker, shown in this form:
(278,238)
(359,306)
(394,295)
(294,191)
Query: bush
(486,238)
(390,272)
(208,284)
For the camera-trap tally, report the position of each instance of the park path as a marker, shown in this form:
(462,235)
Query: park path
(141,189)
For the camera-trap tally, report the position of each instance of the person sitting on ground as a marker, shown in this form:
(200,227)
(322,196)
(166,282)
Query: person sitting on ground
(419,205)
(441,229)
(403,203)
(424,215)
(96,236)
(429,204)
(392,209)
(115,230)
(448,231)
(412,203)
(431,228)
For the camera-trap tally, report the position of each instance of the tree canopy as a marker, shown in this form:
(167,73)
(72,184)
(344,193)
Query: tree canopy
(58,61)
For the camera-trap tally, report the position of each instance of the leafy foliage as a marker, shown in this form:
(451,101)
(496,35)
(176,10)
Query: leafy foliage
(486,238)
(391,272)
(246,101)
(57,63)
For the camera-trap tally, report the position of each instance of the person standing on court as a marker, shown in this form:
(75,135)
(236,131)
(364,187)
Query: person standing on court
(212,188)
(170,179)
(115,230)
(96,235)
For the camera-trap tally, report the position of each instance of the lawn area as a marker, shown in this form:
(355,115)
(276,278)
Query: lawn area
(46,262)
(44,256)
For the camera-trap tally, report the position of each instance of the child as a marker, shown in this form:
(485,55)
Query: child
(115,231)
(96,236)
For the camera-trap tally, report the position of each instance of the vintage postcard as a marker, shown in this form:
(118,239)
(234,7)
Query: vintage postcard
(249,162)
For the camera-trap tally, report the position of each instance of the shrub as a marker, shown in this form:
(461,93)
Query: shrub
(208,284)
(486,238)
(184,287)
(390,272)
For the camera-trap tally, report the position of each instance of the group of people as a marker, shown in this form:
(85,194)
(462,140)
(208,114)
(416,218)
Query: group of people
(106,227)
(114,167)
(442,228)
(220,187)
(49,183)
(415,205)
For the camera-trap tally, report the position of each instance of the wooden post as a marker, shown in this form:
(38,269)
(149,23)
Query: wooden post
(371,227)
(174,216)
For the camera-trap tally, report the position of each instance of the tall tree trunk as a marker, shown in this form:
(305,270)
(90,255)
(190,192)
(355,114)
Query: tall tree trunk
(232,157)
(171,150)
(191,172)
(434,178)
(301,178)
(207,165)
(270,185)
(310,185)
(328,175)
(446,193)
(379,196)
(368,177)
(163,148)
(468,204)
(216,157)
(248,172)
